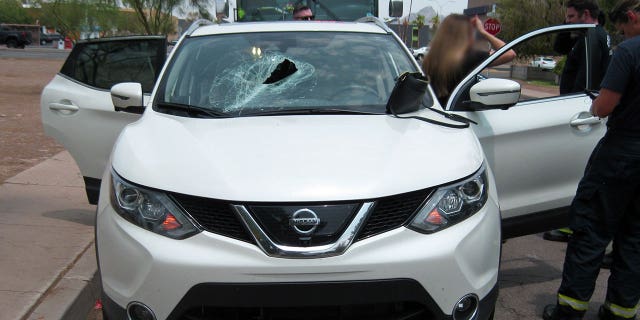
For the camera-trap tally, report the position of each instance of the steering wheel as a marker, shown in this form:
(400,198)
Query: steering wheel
(338,93)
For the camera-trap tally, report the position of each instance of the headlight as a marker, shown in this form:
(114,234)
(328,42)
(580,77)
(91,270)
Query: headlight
(149,209)
(451,204)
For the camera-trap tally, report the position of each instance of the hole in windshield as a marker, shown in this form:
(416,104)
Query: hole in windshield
(283,70)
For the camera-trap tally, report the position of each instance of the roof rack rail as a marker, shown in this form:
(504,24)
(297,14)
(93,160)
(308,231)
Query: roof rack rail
(197,24)
(377,21)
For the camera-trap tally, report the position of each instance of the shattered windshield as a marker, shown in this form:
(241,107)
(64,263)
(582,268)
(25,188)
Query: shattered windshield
(241,74)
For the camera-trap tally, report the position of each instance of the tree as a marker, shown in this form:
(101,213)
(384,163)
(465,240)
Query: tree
(419,22)
(435,22)
(156,16)
(71,17)
(11,11)
(521,16)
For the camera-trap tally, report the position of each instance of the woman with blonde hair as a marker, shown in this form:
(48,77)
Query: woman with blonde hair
(452,54)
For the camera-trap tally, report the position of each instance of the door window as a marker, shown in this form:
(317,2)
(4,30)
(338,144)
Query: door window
(548,65)
(103,63)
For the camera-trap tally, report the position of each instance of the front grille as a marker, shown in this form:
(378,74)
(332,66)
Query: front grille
(379,311)
(392,212)
(218,217)
(213,215)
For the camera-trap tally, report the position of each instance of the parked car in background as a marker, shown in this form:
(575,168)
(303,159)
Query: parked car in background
(543,63)
(420,53)
(46,38)
(14,38)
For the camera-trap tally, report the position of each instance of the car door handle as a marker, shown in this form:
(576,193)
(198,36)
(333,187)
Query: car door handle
(55,106)
(586,121)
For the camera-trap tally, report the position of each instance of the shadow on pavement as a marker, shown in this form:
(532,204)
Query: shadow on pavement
(85,217)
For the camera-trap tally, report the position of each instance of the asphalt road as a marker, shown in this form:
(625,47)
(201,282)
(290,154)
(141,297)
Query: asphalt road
(530,274)
(34,52)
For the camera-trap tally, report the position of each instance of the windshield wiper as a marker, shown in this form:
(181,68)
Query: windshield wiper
(303,111)
(192,110)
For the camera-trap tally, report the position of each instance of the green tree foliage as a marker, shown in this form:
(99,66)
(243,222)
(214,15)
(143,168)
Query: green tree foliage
(435,22)
(521,16)
(419,21)
(11,11)
(71,17)
(155,16)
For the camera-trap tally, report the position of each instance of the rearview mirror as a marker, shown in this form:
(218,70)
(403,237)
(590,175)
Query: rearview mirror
(494,94)
(127,97)
(396,8)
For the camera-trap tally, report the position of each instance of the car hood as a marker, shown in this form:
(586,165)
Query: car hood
(293,158)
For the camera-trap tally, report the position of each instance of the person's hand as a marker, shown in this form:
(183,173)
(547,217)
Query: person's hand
(476,22)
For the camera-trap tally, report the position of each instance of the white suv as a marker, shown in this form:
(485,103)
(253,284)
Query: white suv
(265,180)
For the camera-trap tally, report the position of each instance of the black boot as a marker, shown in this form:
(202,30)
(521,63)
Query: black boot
(559,235)
(553,312)
(605,314)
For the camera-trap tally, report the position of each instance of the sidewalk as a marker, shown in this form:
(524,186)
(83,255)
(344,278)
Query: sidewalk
(46,241)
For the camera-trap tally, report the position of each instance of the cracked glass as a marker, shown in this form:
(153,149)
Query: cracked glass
(240,74)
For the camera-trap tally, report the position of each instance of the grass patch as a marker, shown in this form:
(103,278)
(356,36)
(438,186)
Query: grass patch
(542,83)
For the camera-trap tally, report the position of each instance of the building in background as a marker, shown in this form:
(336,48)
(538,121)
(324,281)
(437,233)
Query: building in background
(481,8)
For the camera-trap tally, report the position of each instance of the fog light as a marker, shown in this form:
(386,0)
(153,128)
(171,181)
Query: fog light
(466,308)
(138,311)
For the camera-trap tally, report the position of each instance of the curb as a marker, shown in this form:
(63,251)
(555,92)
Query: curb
(74,294)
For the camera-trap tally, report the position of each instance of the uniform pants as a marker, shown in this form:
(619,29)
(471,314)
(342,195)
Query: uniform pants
(606,207)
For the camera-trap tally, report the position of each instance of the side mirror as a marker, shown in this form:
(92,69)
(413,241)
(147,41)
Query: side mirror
(127,97)
(494,94)
(396,8)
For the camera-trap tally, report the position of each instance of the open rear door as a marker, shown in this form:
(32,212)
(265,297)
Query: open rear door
(76,105)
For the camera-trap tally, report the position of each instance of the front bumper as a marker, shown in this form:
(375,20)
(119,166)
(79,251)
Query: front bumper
(307,297)
(209,270)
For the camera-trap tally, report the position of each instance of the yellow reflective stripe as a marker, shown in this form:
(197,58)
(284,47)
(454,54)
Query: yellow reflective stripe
(566,230)
(573,303)
(627,313)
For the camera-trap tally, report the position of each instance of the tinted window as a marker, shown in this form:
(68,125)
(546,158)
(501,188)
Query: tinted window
(105,63)
(274,10)
(244,73)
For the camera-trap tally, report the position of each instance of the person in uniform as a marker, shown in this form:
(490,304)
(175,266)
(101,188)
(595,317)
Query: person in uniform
(574,74)
(607,203)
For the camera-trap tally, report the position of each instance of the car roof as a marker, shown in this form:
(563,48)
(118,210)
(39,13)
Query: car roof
(288,26)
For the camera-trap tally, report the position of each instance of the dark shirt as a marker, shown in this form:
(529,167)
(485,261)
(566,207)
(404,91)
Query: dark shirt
(574,74)
(471,60)
(623,76)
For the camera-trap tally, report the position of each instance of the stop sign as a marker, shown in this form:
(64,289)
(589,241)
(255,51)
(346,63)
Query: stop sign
(492,26)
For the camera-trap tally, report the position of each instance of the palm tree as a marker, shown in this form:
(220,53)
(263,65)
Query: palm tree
(419,22)
(435,22)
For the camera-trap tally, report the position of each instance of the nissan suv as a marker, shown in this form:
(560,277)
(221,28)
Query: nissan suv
(265,178)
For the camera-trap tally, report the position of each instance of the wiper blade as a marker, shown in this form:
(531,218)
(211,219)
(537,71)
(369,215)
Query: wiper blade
(284,112)
(192,110)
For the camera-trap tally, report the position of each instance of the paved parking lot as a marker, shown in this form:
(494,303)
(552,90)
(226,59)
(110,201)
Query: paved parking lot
(530,270)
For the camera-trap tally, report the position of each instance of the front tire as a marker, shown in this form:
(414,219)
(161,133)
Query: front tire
(12,43)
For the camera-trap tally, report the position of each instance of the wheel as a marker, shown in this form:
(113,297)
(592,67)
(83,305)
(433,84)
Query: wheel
(12,43)
(43,42)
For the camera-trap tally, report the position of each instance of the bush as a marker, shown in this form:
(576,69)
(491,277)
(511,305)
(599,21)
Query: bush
(560,65)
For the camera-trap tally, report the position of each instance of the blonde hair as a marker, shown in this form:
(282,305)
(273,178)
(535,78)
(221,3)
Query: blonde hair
(446,53)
